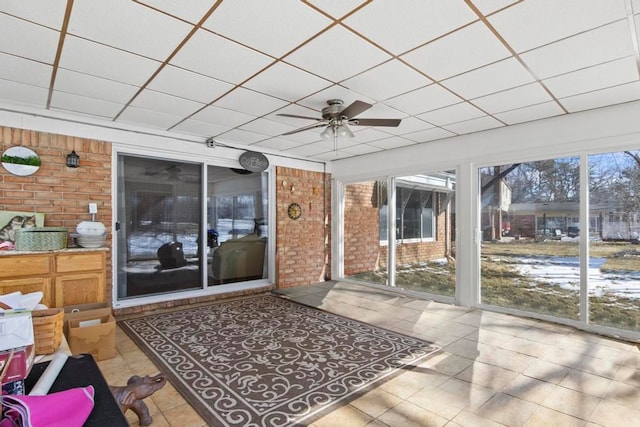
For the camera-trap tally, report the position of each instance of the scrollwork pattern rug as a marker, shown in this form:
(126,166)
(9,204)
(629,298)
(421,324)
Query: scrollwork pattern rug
(268,361)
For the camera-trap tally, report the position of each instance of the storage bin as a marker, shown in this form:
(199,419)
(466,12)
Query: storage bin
(41,238)
(47,329)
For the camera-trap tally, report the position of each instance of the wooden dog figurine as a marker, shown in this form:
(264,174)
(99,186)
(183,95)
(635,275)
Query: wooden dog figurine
(138,388)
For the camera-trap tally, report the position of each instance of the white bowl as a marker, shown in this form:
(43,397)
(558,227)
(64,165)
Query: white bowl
(91,228)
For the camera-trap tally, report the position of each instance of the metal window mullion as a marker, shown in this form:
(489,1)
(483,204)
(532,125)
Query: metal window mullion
(391,231)
(584,238)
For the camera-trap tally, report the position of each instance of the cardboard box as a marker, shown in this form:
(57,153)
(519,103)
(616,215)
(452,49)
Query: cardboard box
(21,363)
(91,331)
(16,330)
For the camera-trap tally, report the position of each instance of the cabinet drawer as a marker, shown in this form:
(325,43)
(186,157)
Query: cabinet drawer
(26,265)
(66,263)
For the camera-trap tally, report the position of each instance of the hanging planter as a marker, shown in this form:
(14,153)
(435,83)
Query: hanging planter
(20,161)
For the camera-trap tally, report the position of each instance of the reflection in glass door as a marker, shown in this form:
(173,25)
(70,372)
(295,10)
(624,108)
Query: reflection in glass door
(159,221)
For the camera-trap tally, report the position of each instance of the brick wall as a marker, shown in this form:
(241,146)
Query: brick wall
(63,194)
(362,249)
(302,245)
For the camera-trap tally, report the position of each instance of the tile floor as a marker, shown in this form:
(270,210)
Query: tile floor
(493,370)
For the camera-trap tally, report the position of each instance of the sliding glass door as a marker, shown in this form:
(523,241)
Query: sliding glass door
(166,245)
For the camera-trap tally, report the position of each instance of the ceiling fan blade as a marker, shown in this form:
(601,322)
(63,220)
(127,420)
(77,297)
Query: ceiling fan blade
(355,108)
(316,125)
(375,122)
(299,117)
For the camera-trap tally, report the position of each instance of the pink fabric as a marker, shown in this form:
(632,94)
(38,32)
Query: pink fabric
(69,408)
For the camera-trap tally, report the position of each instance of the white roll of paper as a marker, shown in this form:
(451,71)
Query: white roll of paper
(49,375)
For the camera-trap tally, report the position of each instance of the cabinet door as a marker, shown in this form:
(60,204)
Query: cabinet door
(80,288)
(28,285)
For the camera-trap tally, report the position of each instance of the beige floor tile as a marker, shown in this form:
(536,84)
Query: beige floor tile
(466,418)
(546,371)
(376,402)
(438,403)
(405,384)
(451,364)
(529,389)
(611,414)
(345,416)
(548,417)
(167,398)
(465,394)
(571,402)
(508,410)
(183,416)
(492,377)
(624,394)
(407,414)
(585,382)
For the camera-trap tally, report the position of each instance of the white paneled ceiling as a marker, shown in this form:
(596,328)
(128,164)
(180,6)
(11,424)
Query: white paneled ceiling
(228,69)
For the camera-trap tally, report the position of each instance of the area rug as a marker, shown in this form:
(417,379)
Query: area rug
(268,361)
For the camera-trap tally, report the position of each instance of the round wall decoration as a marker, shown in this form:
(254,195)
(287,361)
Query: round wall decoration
(253,161)
(294,211)
(20,161)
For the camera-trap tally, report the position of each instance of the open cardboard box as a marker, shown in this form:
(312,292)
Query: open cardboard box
(91,328)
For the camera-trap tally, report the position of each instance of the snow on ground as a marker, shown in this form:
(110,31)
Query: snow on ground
(565,272)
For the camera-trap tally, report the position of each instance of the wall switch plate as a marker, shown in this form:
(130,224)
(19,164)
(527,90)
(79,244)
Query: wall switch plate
(93,208)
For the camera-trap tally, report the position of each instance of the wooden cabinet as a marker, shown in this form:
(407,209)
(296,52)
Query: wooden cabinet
(65,277)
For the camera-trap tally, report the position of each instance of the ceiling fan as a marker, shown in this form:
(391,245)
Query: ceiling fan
(336,120)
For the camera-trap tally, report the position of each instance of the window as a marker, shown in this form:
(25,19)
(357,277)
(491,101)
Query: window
(414,214)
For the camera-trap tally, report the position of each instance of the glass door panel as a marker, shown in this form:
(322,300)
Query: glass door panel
(425,230)
(614,246)
(237,221)
(365,232)
(529,255)
(159,220)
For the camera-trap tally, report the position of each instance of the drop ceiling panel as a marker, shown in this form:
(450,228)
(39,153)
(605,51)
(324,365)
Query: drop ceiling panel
(223,116)
(511,99)
(491,6)
(84,105)
(337,55)
(242,136)
(278,144)
(266,127)
(199,128)
(391,143)
(161,102)
(49,13)
(593,78)
(153,119)
(428,135)
(600,98)
(367,135)
(404,23)
(26,71)
(474,125)
(466,49)
(248,101)
(533,112)
(424,99)
(312,149)
(294,23)
(196,10)
(584,50)
(98,60)
(530,24)
(286,82)
(501,75)
(189,85)
(387,80)
(452,114)
(408,125)
(127,25)
(360,149)
(94,87)
(216,57)
(21,93)
(28,40)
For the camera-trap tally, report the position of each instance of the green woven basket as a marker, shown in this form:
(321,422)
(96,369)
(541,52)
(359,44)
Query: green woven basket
(41,238)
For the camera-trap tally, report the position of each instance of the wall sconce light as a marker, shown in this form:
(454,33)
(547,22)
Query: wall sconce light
(73,160)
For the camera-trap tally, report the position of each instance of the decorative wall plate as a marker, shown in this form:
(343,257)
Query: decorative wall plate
(294,211)
(20,161)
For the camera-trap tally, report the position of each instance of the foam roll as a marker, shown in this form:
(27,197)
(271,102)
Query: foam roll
(49,375)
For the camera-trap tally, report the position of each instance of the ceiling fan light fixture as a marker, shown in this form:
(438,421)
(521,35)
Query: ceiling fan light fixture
(327,133)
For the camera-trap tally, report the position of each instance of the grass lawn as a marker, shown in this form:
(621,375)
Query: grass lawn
(503,285)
